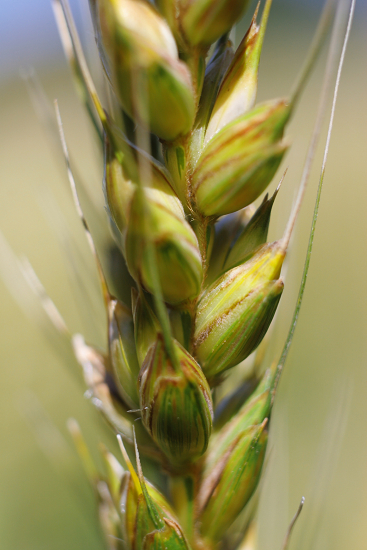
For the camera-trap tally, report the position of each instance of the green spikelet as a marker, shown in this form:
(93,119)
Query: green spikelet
(122,351)
(176,404)
(235,482)
(235,312)
(205,21)
(176,247)
(254,146)
(141,60)
(237,92)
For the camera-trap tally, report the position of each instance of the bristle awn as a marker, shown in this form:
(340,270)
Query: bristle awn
(67,26)
(68,32)
(105,292)
(329,70)
(47,435)
(95,373)
(148,521)
(76,261)
(70,38)
(122,353)
(57,451)
(108,515)
(32,298)
(161,309)
(145,175)
(292,523)
(47,304)
(83,451)
(160,306)
(327,456)
(41,105)
(19,282)
(292,328)
(145,172)
(130,467)
(140,94)
(158,523)
(263,24)
(317,43)
(74,62)
(45,112)
(244,88)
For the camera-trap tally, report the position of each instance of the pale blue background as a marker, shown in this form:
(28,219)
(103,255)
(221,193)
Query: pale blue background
(28,34)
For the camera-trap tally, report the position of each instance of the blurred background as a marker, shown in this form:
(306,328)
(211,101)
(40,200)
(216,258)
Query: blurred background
(318,442)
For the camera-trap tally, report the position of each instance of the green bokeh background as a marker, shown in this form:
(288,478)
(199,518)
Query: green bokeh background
(318,442)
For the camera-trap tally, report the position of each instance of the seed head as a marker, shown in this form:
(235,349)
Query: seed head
(204,293)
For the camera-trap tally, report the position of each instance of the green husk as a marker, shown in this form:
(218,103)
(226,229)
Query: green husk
(236,310)
(176,404)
